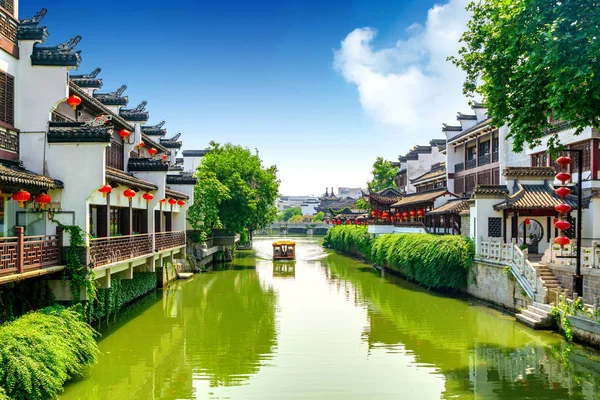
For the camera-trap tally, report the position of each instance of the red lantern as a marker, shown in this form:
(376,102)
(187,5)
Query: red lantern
(421,213)
(163,201)
(563,161)
(130,194)
(42,199)
(412,213)
(563,177)
(392,218)
(74,101)
(141,144)
(21,196)
(152,151)
(380,213)
(105,189)
(562,240)
(563,208)
(563,191)
(373,213)
(405,215)
(347,222)
(148,197)
(527,221)
(398,215)
(172,202)
(181,203)
(124,133)
(386,215)
(164,158)
(562,225)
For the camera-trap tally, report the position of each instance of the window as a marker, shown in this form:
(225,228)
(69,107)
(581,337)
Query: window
(115,229)
(494,227)
(539,159)
(7,98)
(484,148)
(8,5)
(139,222)
(496,141)
(471,153)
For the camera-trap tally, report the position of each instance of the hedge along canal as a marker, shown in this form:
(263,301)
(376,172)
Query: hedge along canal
(329,328)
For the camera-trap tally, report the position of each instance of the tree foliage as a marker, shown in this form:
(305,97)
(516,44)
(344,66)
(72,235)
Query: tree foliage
(288,213)
(209,193)
(384,173)
(246,190)
(319,217)
(532,59)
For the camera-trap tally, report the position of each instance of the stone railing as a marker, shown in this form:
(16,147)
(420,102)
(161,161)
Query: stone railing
(20,253)
(509,254)
(169,240)
(590,256)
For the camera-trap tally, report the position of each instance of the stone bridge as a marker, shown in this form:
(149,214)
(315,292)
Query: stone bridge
(306,228)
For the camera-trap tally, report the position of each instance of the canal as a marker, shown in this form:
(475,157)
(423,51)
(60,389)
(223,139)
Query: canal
(330,328)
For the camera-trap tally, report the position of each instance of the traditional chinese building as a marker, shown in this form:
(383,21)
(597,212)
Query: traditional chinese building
(417,162)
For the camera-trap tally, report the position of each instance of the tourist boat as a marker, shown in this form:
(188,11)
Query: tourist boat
(284,250)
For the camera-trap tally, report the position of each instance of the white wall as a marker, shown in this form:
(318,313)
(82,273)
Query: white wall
(421,166)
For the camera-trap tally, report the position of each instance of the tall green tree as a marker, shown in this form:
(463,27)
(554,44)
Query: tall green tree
(531,60)
(209,193)
(384,173)
(290,212)
(251,188)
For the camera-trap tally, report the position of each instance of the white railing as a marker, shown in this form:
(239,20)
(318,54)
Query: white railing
(509,254)
(590,256)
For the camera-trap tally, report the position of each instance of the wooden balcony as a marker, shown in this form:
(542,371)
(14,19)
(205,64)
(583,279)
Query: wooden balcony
(20,254)
(110,250)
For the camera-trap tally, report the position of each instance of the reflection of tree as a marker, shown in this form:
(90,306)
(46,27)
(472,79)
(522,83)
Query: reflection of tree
(479,353)
(230,329)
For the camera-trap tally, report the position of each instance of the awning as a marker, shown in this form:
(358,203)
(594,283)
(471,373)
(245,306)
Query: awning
(123,178)
(537,197)
(452,207)
(14,175)
(425,197)
(175,194)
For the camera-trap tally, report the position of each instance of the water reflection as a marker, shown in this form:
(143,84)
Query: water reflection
(481,353)
(284,269)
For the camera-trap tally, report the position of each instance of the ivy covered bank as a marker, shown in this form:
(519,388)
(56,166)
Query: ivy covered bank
(438,262)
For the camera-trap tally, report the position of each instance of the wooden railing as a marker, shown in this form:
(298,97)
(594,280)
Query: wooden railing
(110,250)
(509,254)
(20,253)
(169,240)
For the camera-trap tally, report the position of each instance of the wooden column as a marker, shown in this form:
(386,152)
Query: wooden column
(594,155)
(20,233)
(515,226)
(504,218)
(476,156)
(491,147)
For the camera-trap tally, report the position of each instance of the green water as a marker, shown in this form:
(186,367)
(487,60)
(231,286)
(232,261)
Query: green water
(330,328)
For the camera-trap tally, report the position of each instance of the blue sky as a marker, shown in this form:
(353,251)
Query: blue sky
(271,75)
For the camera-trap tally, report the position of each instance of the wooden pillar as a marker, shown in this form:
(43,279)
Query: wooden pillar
(548,229)
(504,217)
(594,155)
(491,146)
(476,156)
(515,226)
(20,233)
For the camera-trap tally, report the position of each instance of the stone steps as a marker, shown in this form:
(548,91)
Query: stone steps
(536,316)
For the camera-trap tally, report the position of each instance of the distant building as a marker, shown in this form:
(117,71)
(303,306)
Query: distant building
(418,162)
(353,193)
(285,202)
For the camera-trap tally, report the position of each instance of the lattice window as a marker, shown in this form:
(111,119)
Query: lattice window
(484,178)
(134,154)
(539,159)
(494,227)
(459,186)
(495,176)
(470,181)
(8,5)
(114,156)
(8,28)
(586,156)
(7,98)
(9,140)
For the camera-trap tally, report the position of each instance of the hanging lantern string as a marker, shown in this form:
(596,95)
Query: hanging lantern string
(563,209)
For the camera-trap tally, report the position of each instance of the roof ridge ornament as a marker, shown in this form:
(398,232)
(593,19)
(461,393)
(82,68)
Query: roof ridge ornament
(100,120)
(70,45)
(159,125)
(173,139)
(92,74)
(37,18)
(119,91)
(141,107)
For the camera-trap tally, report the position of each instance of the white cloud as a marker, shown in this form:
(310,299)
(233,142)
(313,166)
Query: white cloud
(411,85)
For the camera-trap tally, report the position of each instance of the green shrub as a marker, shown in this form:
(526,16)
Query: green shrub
(40,351)
(440,262)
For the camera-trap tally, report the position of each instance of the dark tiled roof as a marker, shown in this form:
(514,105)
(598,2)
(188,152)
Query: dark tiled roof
(146,164)
(151,143)
(451,128)
(123,178)
(477,104)
(113,98)
(195,153)
(155,130)
(530,171)
(175,194)
(171,144)
(13,174)
(183,179)
(472,129)
(78,132)
(176,167)
(437,171)
(30,29)
(61,55)
(424,197)
(538,197)
(491,189)
(465,117)
(87,80)
(135,114)
(386,196)
(452,207)
(438,142)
